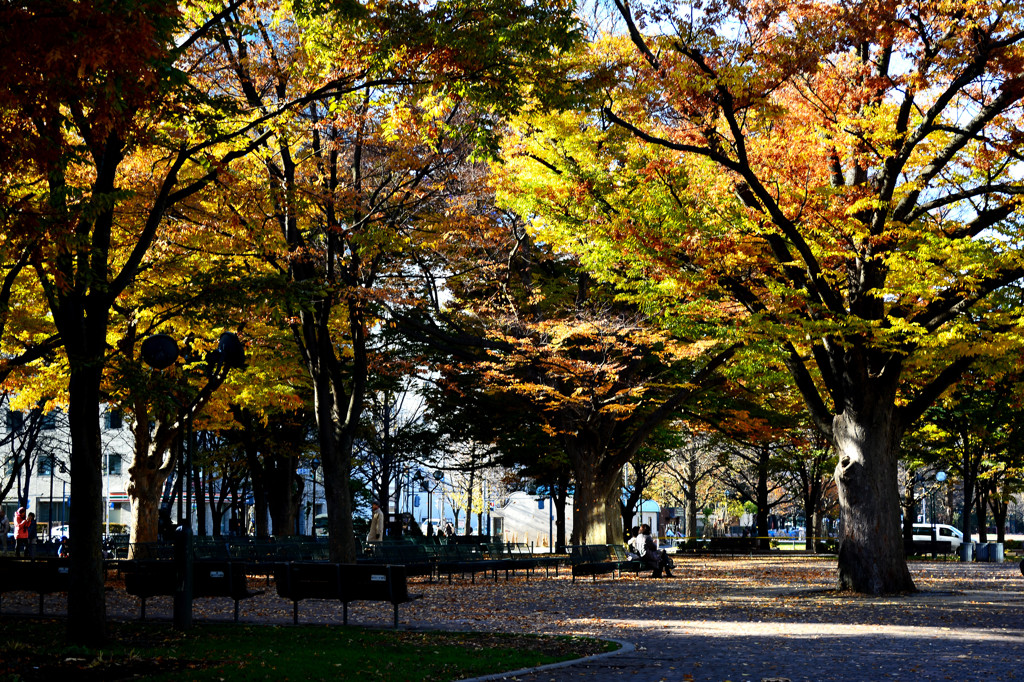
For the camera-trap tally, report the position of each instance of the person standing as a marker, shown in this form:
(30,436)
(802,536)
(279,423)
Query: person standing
(5,528)
(376,533)
(33,535)
(20,532)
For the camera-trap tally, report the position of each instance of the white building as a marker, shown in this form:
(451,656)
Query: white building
(49,471)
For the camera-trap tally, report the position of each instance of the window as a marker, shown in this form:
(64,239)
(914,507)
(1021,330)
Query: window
(50,420)
(114,464)
(45,465)
(112,419)
(15,421)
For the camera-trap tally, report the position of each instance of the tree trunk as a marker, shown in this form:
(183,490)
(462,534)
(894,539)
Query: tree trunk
(909,509)
(561,497)
(87,608)
(764,457)
(199,500)
(999,507)
(591,502)
(981,504)
(283,495)
(871,555)
(147,478)
(469,499)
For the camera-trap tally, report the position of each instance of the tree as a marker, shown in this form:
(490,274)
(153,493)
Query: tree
(691,469)
(122,81)
(861,247)
(597,376)
(348,182)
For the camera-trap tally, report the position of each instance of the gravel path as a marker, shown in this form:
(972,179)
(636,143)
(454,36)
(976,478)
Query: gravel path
(719,619)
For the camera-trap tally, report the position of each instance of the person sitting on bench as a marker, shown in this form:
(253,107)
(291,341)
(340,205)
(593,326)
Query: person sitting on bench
(646,547)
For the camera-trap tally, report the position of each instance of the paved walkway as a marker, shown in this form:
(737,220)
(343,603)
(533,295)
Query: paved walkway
(724,619)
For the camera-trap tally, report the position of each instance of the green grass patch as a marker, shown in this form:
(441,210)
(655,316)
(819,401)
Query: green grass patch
(216,651)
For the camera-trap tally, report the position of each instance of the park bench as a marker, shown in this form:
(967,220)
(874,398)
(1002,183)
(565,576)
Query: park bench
(917,547)
(598,559)
(522,550)
(298,580)
(418,559)
(210,578)
(731,545)
(42,576)
(463,558)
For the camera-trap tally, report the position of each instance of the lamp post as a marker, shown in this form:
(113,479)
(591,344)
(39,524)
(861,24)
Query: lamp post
(939,478)
(313,466)
(49,507)
(160,351)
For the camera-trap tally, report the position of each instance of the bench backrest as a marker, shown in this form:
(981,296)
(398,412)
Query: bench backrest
(308,580)
(219,579)
(376,582)
(149,577)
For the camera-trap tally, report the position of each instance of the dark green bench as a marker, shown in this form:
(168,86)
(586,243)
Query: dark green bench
(42,576)
(594,560)
(148,578)
(298,580)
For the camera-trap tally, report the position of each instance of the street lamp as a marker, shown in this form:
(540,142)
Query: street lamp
(160,351)
(940,476)
(313,466)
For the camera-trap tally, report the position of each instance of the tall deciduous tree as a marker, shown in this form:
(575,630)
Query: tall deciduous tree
(86,87)
(842,173)
(418,89)
(599,378)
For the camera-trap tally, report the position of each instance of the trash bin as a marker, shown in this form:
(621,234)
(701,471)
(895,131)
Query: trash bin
(967,551)
(995,552)
(981,551)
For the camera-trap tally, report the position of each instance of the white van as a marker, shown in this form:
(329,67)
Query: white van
(944,533)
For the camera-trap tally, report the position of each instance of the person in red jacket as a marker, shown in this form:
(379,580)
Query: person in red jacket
(20,532)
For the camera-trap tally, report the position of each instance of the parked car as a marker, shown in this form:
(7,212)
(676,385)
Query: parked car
(59,532)
(944,533)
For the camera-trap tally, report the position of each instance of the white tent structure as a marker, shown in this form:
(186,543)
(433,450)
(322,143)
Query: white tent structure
(528,518)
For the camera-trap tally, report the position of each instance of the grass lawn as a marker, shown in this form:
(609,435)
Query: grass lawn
(34,649)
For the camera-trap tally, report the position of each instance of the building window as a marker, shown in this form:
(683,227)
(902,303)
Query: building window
(15,421)
(50,420)
(114,464)
(45,465)
(113,419)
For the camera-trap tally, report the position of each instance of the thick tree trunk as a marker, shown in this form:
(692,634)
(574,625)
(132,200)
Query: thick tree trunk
(87,609)
(145,521)
(336,454)
(147,477)
(283,495)
(871,556)
(594,516)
